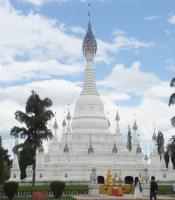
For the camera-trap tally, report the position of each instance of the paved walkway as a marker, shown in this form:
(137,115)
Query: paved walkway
(125,197)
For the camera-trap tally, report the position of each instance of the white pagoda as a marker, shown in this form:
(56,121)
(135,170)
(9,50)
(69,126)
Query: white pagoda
(87,148)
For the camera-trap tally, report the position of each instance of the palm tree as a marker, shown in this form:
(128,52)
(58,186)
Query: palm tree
(160,144)
(172,101)
(171,145)
(171,148)
(35,129)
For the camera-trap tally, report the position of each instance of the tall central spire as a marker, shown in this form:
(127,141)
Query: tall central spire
(89,48)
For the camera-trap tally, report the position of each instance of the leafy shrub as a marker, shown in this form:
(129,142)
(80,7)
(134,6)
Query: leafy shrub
(165,188)
(10,189)
(57,188)
(67,198)
(28,188)
(75,187)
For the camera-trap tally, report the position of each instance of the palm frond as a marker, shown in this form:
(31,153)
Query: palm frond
(173,121)
(172,84)
(18,131)
(18,147)
(32,102)
(48,114)
(47,102)
(22,117)
(172,99)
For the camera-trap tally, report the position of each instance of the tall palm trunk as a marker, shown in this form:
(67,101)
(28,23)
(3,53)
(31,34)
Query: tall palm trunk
(34,170)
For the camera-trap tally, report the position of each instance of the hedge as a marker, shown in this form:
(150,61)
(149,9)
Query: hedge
(165,187)
(49,198)
(24,190)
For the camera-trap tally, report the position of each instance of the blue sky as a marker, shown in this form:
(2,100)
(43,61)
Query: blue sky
(40,49)
(146,20)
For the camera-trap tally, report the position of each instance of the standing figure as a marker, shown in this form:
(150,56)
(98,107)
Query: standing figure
(138,189)
(153,188)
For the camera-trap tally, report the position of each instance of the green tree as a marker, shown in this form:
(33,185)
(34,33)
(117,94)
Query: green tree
(171,145)
(1,163)
(35,130)
(167,158)
(171,150)
(160,144)
(172,101)
(25,159)
(5,163)
(129,138)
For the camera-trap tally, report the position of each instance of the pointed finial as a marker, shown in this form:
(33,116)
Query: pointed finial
(89,13)
(68,114)
(117,118)
(138,150)
(66,148)
(146,158)
(129,127)
(154,137)
(64,122)
(89,46)
(55,125)
(135,127)
(109,124)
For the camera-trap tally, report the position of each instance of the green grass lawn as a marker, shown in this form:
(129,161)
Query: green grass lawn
(50,198)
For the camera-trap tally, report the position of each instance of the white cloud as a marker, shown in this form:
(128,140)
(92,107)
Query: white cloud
(118,32)
(111,96)
(167,32)
(34,36)
(153,104)
(162,90)
(153,17)
(130,79)
(39,43)
(30,70)
(41,2)
(120,42)
(171,20)
(13,98)
(77,29)
(170,65)
(149,111)
(123,42)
